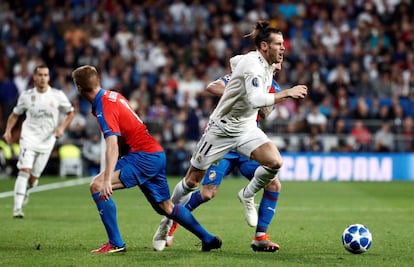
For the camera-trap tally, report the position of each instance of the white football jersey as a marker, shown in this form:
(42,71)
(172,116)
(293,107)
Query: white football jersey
(246,92)
(42,117)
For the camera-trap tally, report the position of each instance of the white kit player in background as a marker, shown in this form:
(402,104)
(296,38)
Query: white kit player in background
(233,125)
(42,106)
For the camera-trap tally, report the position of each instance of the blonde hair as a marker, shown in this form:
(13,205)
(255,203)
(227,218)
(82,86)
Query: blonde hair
(86,78)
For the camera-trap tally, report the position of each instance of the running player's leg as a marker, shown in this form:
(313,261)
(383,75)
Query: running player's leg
(268,203)
(267,210)
(210,184)
(39,164)
(108,213)
(210,149)
(247,169)
(25,165)
(157,192)
(256,145)
(211,181)
(271,161)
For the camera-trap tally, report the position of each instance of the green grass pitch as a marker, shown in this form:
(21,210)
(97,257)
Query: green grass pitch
(61,226)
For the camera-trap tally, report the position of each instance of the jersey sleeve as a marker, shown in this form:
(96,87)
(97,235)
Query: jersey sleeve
(225,79)
(22,104)
(64,104)
(110,120)
(255,90)
(275,88)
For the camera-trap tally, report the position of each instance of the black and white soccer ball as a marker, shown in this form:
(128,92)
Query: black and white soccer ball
(357,238)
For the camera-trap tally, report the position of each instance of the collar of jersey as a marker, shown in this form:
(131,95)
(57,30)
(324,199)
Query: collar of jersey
(264,61)
(97,98)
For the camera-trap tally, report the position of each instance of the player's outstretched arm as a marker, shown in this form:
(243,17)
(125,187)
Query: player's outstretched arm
(296,92)
(216,88)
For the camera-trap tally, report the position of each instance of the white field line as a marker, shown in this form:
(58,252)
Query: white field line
(46,187)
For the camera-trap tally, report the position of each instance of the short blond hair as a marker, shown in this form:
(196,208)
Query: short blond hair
(86,78)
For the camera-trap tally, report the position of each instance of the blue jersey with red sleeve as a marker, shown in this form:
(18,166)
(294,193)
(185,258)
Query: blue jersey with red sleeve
(274,88)
(116,117)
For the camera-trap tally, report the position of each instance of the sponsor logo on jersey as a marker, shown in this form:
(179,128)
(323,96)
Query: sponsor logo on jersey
(255,82)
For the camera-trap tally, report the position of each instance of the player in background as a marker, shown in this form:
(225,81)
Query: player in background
(143,165)
(233,125)
(42,106)
(215,174)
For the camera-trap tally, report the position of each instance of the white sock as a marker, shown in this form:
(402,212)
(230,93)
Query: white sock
(259,234)
(20,187)
(252,188)
(181,192)
(262,177)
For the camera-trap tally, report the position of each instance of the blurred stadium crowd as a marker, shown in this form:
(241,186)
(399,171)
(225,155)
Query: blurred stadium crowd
(356,56)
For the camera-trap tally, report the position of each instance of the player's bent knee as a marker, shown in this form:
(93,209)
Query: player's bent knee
(276,163)
(164,208)
(94,187)
(208,193)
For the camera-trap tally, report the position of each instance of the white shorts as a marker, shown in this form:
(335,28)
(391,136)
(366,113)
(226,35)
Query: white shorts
(36,161)
(213,145)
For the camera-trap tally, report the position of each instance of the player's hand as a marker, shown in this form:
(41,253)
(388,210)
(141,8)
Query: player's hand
(7,137)
(59,132)
(298,91)
(106,190)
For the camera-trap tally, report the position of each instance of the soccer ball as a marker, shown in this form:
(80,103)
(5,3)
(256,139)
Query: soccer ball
(356,238)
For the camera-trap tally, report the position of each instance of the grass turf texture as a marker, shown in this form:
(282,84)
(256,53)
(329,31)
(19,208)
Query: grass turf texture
(62,225)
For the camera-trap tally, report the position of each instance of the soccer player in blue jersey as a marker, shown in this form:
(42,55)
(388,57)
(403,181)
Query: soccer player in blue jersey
(143,165)
(214,175)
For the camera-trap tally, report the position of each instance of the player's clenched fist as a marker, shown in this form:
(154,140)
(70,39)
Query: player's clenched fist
(298,91)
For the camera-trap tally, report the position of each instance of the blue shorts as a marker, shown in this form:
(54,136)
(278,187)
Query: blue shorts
(147,170)
(226,165)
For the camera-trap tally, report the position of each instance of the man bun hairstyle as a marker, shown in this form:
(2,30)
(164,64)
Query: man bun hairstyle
(262,32)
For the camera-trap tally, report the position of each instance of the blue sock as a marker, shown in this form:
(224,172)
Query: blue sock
(194,201)
(107,211)
(184,217)
(267,210)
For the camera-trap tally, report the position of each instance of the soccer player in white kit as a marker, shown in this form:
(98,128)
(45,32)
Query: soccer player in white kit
(232,124)
(42,106)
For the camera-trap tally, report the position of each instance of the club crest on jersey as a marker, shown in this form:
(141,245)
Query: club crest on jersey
(255,82)
(212,175)
(198,159)
(33,98)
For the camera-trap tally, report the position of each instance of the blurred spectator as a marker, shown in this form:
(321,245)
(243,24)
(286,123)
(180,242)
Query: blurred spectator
(293,141)
(362,136)
(384,139)
(316,119)
(8,97)
(76,131)
(158,111)
(178,159)
(91,154)
(406,142)
(361,110)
